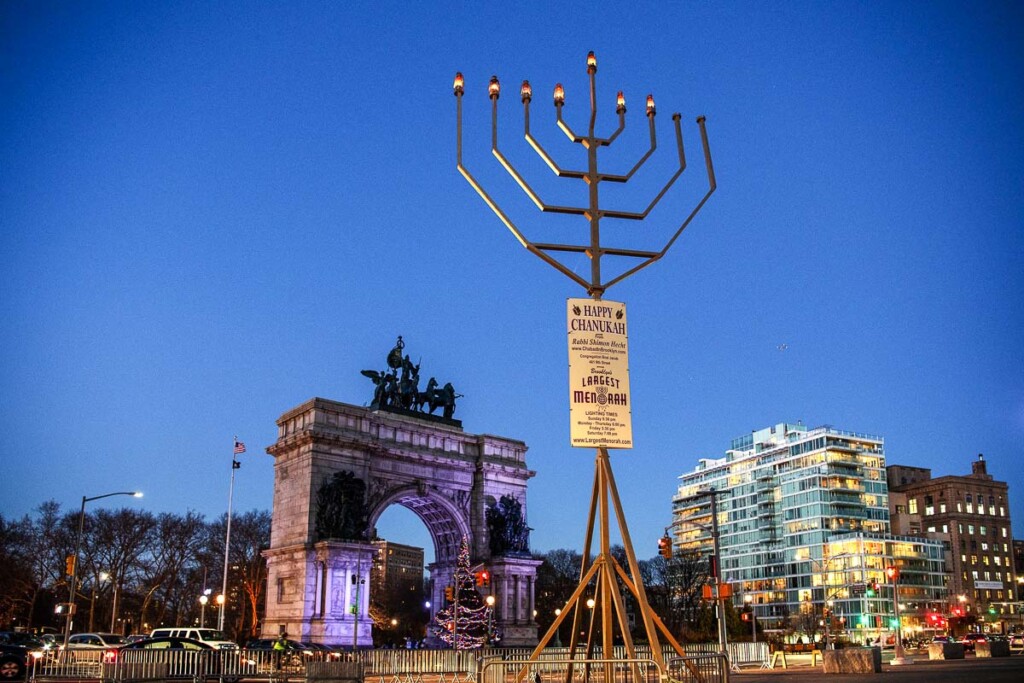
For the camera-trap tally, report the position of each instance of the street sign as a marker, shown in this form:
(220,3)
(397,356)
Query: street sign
(857,589)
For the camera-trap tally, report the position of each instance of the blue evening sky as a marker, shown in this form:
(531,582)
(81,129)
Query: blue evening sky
(211,212)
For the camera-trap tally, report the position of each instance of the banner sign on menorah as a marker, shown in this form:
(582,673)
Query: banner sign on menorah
(600,413)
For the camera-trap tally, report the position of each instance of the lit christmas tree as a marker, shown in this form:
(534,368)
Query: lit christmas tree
(463,623)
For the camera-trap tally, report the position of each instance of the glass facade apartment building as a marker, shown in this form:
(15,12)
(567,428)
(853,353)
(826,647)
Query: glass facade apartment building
(804,533)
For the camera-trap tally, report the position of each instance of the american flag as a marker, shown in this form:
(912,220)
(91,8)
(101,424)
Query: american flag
(239,447)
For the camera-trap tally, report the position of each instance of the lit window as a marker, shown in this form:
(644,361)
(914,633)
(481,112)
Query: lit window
(912,506)
(942,508)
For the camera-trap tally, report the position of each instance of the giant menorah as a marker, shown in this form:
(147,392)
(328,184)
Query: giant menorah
(604,570)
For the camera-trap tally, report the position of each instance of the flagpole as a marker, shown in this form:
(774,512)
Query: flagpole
(238,448)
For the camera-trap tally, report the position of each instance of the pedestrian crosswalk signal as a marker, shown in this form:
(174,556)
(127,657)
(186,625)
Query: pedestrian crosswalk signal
(449,594)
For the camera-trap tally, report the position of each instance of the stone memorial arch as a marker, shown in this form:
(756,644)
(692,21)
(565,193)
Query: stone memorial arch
(338,467)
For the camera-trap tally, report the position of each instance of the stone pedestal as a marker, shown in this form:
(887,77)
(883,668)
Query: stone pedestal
(321,594)
(946,651)
(853,660)
(992,648)
(513,585)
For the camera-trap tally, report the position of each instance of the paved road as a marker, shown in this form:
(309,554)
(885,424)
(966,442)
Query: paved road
(995,670)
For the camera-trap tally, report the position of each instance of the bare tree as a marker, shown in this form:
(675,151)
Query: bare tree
(122,541)
(247,578)
(170,574)
(17,587)
(557,578)
(675,592)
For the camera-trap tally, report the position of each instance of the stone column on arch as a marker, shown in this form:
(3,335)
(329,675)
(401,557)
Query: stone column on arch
(515,575)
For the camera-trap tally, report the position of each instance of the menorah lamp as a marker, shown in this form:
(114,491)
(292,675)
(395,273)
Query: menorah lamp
(593,178)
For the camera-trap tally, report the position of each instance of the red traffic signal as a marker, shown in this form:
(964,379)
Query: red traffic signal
(483,578)
(745,616)
(892,572)
(665,547)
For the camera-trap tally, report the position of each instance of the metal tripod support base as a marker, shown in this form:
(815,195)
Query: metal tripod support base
(604,571)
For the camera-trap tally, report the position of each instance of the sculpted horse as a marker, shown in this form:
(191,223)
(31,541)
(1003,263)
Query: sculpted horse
(428,397)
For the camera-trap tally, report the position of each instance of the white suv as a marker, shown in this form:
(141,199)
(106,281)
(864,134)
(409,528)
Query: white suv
(210,636)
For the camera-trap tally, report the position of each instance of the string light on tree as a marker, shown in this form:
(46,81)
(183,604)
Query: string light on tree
(463,623)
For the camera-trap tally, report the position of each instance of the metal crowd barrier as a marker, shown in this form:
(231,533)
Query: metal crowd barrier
(707,668)
(550,670)
(701,665)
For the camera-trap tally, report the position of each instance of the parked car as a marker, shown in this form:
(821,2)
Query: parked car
(294,653)
(13,661)
(210,636)
(95,641)
(305,649)
(972,639)
(1017,642)
(185,657)
(324,652)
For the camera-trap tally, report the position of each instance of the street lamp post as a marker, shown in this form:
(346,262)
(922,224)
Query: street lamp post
(203,599)
(899,656)
(490,615)
(749,599)
(103,576)
(220,609)
(78,551)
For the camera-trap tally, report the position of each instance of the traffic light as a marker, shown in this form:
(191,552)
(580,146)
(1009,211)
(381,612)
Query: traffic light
(871,589)
(745,616)
(483,578)
(69,565)
(449,593)
(665,547)
(893,573)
